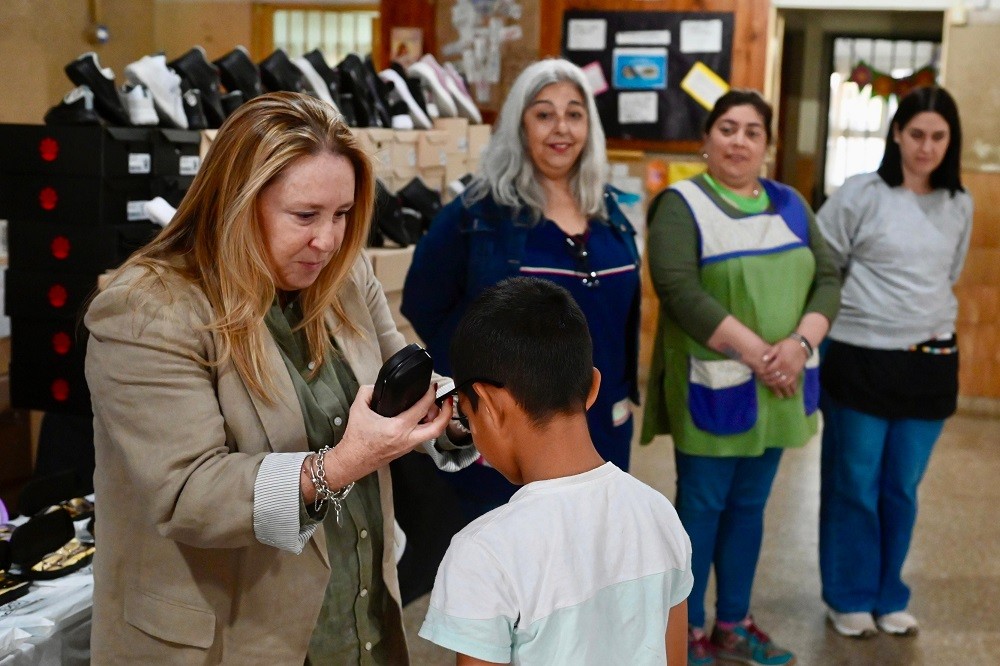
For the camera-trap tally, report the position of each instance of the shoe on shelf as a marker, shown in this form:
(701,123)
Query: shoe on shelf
(855,625)
(455,86)
(231,101)
(317,86)
(139,103)
(278,73)
(194,110)
(355,89)
(330,76)
(433,85)
(76,108)
(457,186)
(388,216)
(86,70)
(746,643)
(898,623)
(238,72)
(412,84)
(197,72)
(419,116)
(164,85)
(700,650)
(416,196)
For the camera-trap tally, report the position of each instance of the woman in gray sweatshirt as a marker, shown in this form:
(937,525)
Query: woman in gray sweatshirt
(890,372)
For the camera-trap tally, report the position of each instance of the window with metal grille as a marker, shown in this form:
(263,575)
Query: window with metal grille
(859,119)
(336,31)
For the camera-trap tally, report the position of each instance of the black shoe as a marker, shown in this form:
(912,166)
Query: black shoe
(76,108)
(332,79)
(231,101)
(197,72)
(239,73)
(194,110)
(377,89)
(352,76)
(425,201)
(279,73)
(388,215)
(87,71)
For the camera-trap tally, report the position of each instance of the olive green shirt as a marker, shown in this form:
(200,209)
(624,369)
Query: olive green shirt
(357,604)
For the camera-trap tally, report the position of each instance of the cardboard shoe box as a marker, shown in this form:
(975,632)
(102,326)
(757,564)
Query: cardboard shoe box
(377,142)
(432,148)
(458,133)
(391,266)
(479,138)
(404,149)
(93,151)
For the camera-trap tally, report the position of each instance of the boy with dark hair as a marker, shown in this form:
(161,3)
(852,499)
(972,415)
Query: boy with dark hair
(585,564)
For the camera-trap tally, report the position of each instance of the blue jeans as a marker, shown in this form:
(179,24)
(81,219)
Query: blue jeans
(868,505)
(721,502)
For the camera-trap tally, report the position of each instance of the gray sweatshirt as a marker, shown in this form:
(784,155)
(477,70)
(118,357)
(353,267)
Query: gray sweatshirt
(900,254)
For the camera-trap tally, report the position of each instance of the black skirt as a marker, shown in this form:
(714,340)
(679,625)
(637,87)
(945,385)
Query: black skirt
(893,384)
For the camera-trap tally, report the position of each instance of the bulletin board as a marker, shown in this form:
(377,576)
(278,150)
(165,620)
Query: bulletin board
(655,75)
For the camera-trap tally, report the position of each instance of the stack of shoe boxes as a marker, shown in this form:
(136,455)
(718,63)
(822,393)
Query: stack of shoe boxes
(74,198)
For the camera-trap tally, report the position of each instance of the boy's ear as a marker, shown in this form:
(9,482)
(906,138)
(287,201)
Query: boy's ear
(595,386)
(494,402)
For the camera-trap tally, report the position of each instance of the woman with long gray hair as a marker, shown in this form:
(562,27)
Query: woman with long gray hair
(540,205)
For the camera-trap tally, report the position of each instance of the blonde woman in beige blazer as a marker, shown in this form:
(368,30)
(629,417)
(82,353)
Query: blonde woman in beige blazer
(227,530)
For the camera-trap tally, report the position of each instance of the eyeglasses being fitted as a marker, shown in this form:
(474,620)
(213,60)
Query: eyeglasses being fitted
(577,247)
(462,419)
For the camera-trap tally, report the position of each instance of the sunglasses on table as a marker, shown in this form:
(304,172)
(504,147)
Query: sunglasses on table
(462,419)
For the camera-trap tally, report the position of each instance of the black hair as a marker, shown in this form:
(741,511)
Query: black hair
(935,99)
(741,97)
(529,335)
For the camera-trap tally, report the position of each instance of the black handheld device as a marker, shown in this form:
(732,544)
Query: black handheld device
(402,380)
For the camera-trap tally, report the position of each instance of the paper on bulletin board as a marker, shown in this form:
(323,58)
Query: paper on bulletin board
(643,38)
(637,107)
(701,36)
(586,35)
(704,85)
(639,68)
(595,77)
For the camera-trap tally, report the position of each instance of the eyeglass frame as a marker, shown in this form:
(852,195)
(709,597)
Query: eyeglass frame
(462,419)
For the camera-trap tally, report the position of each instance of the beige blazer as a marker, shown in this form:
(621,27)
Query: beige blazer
(179,576)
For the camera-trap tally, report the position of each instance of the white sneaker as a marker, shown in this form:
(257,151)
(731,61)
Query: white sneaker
(164,85)
(455,85)
(139,104)
(420,119)
(433,84)
(898,623)
(856,625)
(316,82)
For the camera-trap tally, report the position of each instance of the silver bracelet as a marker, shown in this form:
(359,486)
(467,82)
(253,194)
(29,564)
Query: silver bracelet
(803,342)
(323,493)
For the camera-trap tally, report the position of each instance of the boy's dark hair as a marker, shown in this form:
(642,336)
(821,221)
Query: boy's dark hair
(530,336)
(935,99)
(741,97)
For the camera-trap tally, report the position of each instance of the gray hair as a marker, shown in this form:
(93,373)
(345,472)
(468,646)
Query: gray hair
(506,170)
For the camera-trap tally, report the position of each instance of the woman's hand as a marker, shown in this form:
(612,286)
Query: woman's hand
(783,363)
(372,441)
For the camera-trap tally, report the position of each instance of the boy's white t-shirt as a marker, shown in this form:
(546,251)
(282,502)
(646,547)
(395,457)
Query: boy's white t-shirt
(575,570)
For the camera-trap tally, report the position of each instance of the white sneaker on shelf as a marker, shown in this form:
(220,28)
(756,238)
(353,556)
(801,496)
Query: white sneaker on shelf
(139,104)
(898,623)
(455,84)
(315,81)
(855,625)
(420,119)
(164,85)
(435,86)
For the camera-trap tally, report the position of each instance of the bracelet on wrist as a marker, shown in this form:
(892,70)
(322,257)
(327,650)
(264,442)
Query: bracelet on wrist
(803,342)
(317,474)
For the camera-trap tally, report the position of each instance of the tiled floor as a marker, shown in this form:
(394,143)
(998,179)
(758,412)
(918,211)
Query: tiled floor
(953,568)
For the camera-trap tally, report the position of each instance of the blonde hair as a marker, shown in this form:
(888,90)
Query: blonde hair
(216,240)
